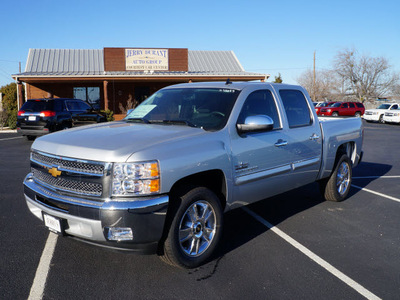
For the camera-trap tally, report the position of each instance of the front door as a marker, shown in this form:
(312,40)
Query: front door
(275,161)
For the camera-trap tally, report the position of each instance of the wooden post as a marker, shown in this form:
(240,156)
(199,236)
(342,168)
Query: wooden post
(105,92)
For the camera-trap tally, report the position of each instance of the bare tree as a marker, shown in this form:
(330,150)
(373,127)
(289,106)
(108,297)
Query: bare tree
(363,77)
(325,84)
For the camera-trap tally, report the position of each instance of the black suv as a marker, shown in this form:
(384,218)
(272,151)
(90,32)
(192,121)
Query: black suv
(41,116)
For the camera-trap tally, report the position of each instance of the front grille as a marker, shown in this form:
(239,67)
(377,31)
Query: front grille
(389,114)
(74,186)
(368,113)
(69,164)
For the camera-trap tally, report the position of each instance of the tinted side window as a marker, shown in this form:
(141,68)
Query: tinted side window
(344,105)
(395,107)
(83,106)
(76,105)
(58,105)
(260,103)
(296,108)
(351,105)
(359,105)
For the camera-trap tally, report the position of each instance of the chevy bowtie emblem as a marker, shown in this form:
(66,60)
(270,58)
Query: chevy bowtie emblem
(54,172)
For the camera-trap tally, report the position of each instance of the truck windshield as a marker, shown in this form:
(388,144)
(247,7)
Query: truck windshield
(206,108)
(384,106)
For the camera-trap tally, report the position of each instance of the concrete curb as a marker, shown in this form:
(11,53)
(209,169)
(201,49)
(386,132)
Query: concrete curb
(8,131)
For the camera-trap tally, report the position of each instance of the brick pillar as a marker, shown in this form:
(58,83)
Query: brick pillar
(20,95)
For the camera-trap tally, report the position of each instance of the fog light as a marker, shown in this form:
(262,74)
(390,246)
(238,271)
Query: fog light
(119,233)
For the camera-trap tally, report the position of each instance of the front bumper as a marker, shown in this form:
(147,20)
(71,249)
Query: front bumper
(90,220)
(371,117)
(391,119)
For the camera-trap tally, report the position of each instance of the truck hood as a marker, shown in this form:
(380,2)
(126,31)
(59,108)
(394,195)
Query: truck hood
(111,142)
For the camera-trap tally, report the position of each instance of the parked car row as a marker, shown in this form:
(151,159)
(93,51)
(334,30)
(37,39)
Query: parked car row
(336,109)
(41,116)
(384,113)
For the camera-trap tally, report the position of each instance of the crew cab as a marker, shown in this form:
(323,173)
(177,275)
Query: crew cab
(377,115)
(41,116)
(356,109)
(160,180)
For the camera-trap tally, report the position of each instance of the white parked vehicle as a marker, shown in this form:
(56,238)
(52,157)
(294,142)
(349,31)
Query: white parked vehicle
(392,116)
(377,114)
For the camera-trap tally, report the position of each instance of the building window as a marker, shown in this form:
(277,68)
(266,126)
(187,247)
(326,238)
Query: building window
(88,94)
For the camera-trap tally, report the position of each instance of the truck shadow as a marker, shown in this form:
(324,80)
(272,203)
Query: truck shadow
(240,228)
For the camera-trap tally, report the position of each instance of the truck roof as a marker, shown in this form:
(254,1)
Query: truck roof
(238,85)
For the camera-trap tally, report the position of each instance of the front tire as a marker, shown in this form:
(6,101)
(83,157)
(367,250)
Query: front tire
(335,114)
(195,230)
(337,186)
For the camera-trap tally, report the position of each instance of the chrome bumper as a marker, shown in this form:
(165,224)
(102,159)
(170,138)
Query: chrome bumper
(87,219)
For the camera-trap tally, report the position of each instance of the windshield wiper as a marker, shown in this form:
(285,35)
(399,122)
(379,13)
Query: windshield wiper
(175,121)
(186,122)
(138,119)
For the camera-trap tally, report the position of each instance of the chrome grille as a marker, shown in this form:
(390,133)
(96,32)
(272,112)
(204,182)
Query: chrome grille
(69,164)
(74,186)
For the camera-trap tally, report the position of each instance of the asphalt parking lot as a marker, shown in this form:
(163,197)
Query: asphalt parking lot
(292,246)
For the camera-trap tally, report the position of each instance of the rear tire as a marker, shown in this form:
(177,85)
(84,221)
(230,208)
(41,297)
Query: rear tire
(195,229)
(337,186)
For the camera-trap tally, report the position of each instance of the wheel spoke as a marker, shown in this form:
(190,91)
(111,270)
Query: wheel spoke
(192,213)
(185,234)
(208,214)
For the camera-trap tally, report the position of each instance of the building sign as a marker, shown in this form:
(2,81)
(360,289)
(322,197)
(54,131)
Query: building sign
(146,59)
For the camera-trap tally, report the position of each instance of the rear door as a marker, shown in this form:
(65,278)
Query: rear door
(304,140)
(352,109)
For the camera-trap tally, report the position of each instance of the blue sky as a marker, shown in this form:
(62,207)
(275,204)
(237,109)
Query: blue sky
(267,36)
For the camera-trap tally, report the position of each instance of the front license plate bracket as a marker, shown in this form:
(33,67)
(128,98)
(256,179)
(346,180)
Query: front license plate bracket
(54,224)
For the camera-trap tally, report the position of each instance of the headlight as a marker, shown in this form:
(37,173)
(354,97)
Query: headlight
(136,178)
(329,110)
(375,113)
(396,114)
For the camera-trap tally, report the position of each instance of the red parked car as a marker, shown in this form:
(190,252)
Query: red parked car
(356,109)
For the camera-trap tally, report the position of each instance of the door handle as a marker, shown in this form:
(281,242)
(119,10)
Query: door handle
(281,143)
(314,137)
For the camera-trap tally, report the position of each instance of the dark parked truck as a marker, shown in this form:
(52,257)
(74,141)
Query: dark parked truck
(161,180)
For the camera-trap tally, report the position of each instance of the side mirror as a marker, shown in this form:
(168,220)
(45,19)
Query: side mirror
(258,123)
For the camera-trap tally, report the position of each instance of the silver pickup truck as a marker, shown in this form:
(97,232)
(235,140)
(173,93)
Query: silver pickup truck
(161,179)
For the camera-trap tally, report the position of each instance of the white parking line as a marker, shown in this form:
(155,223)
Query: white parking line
(42,271)
(331,269)
(376,193)
(13,138)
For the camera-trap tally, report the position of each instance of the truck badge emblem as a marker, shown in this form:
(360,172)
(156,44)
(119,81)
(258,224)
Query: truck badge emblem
(54,172)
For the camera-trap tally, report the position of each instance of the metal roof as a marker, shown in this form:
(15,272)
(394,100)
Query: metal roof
(90,63)
(64,61)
